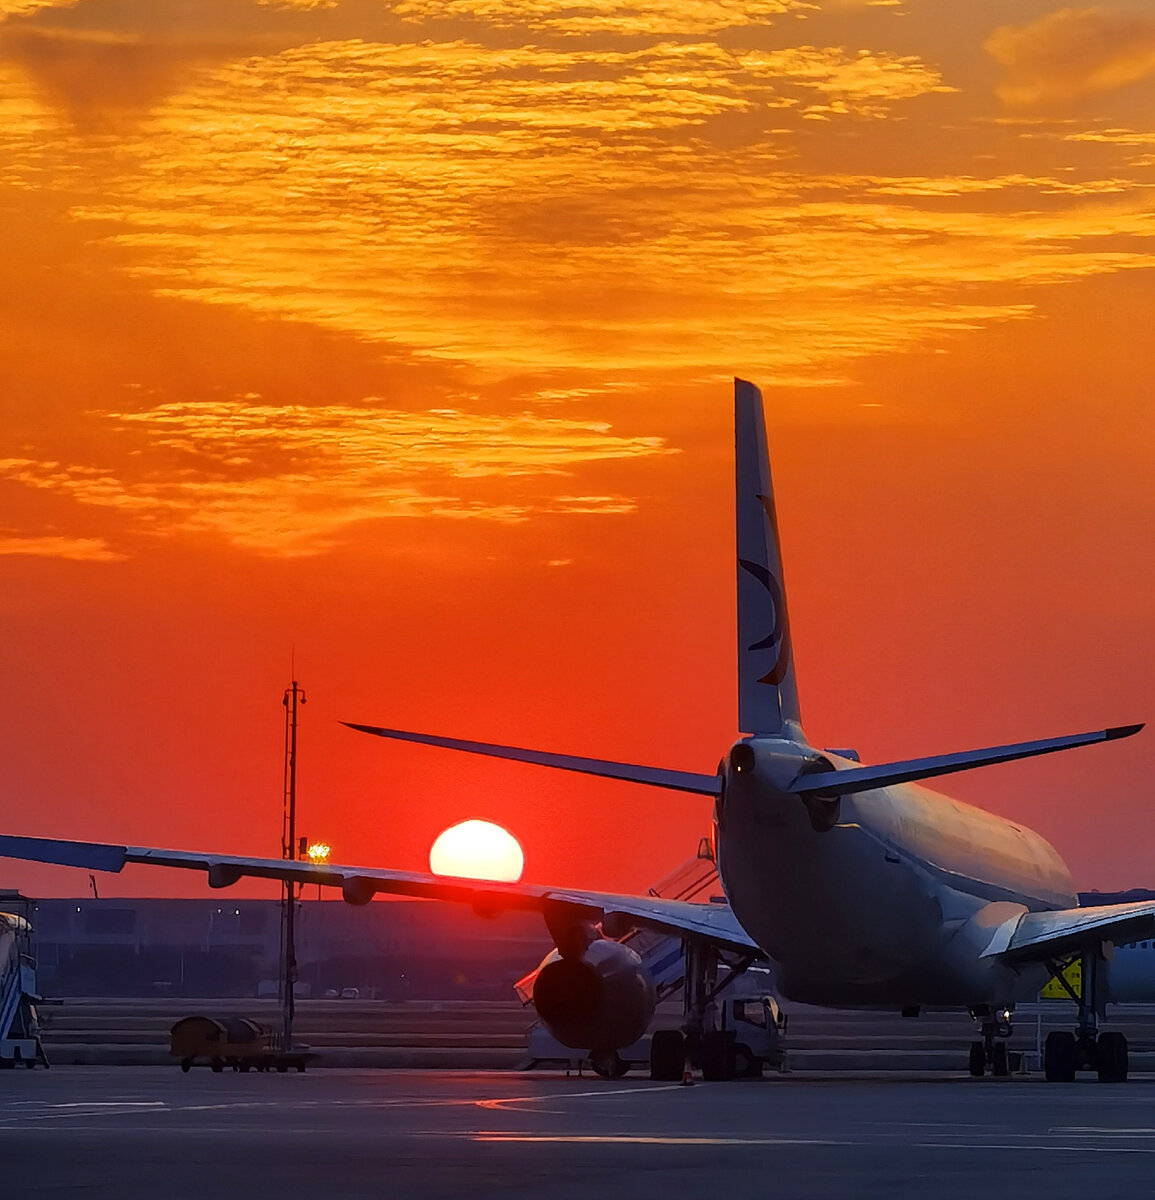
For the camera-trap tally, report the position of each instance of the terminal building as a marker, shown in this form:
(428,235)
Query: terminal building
(389,950)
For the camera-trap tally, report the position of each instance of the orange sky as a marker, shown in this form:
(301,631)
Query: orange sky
(400,333)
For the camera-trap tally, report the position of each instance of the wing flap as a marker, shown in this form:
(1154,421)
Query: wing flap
(715,922)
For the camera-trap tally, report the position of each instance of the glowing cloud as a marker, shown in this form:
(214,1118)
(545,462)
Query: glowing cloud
(655,17)
(1072,53)
(292,480)
(58,546)
(24,8)
(573,207)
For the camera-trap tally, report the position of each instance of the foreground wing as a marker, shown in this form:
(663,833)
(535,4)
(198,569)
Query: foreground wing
(1043,935)
(715,922)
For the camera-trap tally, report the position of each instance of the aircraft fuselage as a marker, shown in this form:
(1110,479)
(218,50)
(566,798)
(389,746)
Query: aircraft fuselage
(884,898)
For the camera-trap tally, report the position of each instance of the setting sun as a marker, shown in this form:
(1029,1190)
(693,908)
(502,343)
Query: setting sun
(477,850)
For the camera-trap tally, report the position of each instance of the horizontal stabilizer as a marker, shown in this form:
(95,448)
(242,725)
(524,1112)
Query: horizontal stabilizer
(680,781)
(866,779)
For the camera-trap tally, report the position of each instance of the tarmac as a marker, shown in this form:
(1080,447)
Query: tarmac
(136,1133)
(491,1035)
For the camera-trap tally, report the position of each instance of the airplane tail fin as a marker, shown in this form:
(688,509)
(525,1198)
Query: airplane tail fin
(767,695)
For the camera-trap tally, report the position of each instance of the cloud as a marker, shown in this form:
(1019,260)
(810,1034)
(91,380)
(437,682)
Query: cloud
(299,5)
(1072,53)
(25,8)
(290,480)
(623,17)
(863,84)
(572,208)
(529,208)
(57,546)
(96,76)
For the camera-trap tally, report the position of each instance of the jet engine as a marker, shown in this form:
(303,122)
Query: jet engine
(600,998)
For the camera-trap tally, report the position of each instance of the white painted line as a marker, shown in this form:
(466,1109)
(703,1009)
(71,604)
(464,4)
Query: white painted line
(624,1139)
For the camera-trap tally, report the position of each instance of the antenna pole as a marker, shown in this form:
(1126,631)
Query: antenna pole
(294,695)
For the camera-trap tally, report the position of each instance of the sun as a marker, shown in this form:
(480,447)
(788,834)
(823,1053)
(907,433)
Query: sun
(477,850)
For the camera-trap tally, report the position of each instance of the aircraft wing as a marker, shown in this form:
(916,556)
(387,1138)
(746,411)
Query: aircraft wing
(714,922)
(1043,935)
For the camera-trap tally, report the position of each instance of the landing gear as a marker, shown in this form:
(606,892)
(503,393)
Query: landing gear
(1111,1059)
(727,1038)
(992,1050)
(609,1064)
(1060,1057)
(1064,1054)
(667,1055)
(999,1063)
(716,1055)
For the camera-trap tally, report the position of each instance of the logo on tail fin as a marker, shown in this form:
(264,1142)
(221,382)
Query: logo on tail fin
(780,624)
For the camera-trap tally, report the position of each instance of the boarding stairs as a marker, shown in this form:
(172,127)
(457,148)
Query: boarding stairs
(19,1026)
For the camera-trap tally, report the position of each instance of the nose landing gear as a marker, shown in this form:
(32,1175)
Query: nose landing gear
(992,1050)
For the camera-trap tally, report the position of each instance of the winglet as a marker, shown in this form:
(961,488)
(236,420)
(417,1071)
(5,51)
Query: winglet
(95,856)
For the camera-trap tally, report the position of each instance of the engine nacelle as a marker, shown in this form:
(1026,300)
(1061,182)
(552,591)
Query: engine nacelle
(600,999)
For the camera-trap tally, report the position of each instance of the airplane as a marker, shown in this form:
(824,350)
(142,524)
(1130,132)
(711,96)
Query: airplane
(864,889)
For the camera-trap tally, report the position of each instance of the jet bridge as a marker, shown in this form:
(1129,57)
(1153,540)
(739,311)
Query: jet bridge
(19,1027)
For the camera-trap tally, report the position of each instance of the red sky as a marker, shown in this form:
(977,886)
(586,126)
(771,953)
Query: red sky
(400,338)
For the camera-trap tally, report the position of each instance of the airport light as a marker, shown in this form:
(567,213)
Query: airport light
(318,854)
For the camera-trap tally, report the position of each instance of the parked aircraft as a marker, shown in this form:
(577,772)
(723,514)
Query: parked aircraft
(864,889)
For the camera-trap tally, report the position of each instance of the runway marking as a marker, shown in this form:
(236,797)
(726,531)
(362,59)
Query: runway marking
(105,1104)
(500,1102)
(626,1139)
(81,1110)
(659,1140)
(1048,1147)
(1100,1131)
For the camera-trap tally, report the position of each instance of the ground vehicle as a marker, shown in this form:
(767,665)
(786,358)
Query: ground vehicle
(751,1036)
(235,1042)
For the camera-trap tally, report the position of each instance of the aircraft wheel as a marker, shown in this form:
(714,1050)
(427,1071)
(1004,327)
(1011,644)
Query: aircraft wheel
(186,1065)
(667,1055)
(999,1063)
(1060,1057)
(1111,1058)
(978,1060)
(717,1053)
(608,1064)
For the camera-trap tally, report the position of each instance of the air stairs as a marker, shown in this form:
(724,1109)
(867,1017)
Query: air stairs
(19,1027)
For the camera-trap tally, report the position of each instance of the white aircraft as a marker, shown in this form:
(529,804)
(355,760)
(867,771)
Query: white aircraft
(862,888)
